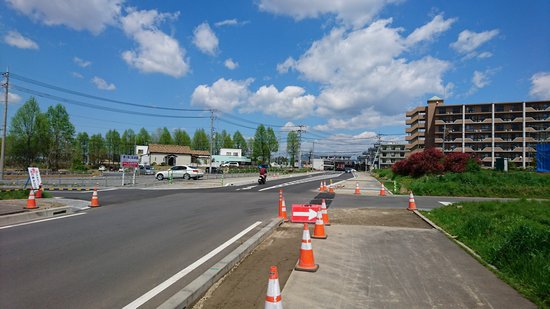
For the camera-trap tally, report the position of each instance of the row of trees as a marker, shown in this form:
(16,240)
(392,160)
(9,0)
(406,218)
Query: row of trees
(50,139)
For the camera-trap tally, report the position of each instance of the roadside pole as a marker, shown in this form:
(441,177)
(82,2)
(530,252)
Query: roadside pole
(134,177)
(123,172)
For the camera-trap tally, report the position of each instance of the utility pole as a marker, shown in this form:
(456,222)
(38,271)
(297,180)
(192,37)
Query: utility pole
(3,154)
(300,145)
(211,140)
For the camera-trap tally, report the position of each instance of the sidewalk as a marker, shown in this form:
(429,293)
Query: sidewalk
(368,185)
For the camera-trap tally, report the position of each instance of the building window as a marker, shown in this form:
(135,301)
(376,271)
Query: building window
(499,108)
(486,108)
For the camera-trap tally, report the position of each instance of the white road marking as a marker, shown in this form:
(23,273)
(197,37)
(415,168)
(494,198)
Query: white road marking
(446,203)
(161,287)
(303,180)
(43,220)
(245,188)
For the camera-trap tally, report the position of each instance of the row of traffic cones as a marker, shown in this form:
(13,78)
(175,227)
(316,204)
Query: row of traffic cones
(33,195)
(323,187)
(358,191)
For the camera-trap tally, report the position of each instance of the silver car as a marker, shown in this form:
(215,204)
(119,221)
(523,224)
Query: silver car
(181,171)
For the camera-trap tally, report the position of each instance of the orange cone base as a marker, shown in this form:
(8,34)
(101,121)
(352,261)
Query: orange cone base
(313,268)
(319,237)
(30,207)
(411,208)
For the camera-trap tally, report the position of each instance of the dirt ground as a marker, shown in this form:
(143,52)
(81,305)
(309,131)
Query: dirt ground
(246,284)
(17,206)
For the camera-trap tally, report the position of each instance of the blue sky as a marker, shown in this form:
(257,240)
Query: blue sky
(346,70)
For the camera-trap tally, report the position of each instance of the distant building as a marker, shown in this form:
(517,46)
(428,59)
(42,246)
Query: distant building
(385,154)
(336,162)
(143,153)
(175,155)
(509,130)
(230,155)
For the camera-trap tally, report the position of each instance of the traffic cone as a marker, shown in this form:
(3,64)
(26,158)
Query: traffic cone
(38,193)
(321,187)
(95,200)
(273,298)
(357,191)
(325,213)
(319,230)
(306,261)
(382,190)
(412,204)
(330,187)
(280,201)
(282,211)
(31,202)
(324,186)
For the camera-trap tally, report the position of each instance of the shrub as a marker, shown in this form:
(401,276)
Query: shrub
(433,161)
(456,162)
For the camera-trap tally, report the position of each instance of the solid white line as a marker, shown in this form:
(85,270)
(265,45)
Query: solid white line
(43,220)
(161,287)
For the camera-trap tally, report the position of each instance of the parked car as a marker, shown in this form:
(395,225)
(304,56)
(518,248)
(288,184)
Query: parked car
(181,171)
(102,168)
(146,170)
(230,164)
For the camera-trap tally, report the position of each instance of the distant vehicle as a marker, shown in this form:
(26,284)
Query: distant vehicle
(146,170)
(102,168)
(350,170)
(230,164)
(181,171)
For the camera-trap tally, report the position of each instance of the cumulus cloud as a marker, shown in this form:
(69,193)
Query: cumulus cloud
(93,16)
(368,118)
(12,97)
(286,65)
(353,13)
(231,22)
(480,79)
(77,75)
(205,39)
(156,52)
(100,83)
(224,95)
(468,41)
(230,64)
(81,63)
(14,38)
(291,102)
(540,86)
(430,30)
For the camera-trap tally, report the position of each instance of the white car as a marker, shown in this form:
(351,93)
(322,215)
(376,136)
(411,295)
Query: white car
(230,164)
(181,171)
(102,168)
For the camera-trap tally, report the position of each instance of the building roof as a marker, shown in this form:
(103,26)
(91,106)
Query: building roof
(176,149)
(435,98)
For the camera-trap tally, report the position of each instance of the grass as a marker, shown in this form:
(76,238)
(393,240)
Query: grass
(19,194)
(484,183)
(513,236)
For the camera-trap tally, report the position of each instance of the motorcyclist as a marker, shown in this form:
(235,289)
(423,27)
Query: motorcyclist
(263,173)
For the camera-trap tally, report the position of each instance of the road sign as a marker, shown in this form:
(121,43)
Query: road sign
(129,160)
(304,213)
(34,175)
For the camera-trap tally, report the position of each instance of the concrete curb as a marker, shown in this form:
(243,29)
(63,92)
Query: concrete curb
(35,215)
(458,242)
(196,289)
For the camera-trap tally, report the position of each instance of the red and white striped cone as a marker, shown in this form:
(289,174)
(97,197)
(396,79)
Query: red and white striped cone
(306,261)
(273,298)
(95,200)
(283,211)
(412,203)
(325,213)
(319,230)
(382,190)
(31,202)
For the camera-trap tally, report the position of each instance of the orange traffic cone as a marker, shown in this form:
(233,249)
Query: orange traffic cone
(325,213)
(324,185)
(282,211)
(321,187)
(357,191)
(382,190)
(306,261)
(319,230)
(31,202)
(412,204)
(38,193)
(95,200)
(330,187)
(273,298)
(280,201)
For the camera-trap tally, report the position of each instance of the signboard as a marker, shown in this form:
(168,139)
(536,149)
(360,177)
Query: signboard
(129,160)
(303,213)
(34,175)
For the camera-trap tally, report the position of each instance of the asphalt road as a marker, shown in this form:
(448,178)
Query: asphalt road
(112,255)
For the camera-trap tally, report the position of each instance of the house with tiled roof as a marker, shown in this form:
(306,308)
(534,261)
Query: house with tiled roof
(175,154)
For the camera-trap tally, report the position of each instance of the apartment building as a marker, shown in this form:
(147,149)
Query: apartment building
(386,154)
(508,130)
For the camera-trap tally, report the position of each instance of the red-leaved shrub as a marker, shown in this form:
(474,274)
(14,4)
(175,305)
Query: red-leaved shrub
(434,161)
(456,162)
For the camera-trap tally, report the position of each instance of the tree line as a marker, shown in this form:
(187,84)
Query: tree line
(49,139)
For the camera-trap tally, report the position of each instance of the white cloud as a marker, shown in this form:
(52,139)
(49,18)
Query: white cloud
(480,79)
(205,39)
(430,30)
(363,69)
(14,38)
(354,13)
(156,51)
(368,118)
(290,103)
(231,22)
(93,15)
(100,83)
(468,41)
(230,64)
(81,63)
(485,55)
(285,66)
(77,75)
(12,97)
(540,86)
(224,95)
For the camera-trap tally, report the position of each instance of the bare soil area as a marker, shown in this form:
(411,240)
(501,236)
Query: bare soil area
(16,206)
(245,285)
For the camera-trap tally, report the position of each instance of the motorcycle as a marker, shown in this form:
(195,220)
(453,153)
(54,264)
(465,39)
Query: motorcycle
(262,179)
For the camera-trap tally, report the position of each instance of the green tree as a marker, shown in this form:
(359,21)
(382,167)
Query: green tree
(128,141)
(112,144)
(227,141)
(240,143)
(292,146)
(97,149)
(29,133)
(181,138)
(81,150)
(61,136)
(272,143)
(165,137)
(155,136)
(200,140)
(260,147)
(143,137)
